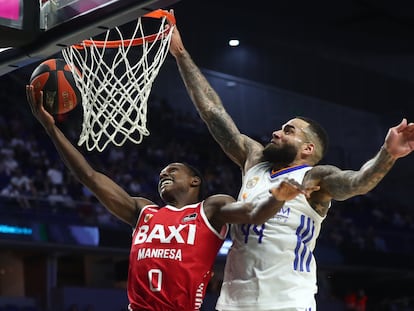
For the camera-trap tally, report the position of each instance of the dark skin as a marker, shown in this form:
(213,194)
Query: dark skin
(332,182)
(177,184)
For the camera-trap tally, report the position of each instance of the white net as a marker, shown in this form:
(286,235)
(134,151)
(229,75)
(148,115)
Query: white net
(115,83)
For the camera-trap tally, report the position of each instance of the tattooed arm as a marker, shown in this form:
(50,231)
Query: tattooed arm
(343,184)
(241,149)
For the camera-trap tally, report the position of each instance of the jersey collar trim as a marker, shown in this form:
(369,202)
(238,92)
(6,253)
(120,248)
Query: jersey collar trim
(274,173)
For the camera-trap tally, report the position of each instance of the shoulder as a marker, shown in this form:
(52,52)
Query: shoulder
(218,200)
(254,152)
(214,203)
(141,202)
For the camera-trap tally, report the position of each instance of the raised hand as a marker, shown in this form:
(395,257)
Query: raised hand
(176,43)
(35,102)
(399,141)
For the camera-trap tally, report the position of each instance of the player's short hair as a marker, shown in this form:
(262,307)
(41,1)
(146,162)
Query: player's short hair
(320,131)
(196,172)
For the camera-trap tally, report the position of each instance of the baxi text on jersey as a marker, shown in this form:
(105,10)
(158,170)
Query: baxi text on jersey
(181,234)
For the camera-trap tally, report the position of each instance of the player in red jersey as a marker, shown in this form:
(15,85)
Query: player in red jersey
(173,247)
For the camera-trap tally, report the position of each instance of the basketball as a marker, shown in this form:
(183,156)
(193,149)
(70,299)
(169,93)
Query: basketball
(55,79)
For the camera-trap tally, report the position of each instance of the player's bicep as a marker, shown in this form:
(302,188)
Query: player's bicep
(221,209)
(236,213)
(225,132)
(336,183)
(241,148)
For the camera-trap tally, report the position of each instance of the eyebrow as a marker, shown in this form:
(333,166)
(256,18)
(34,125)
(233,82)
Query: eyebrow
(303,130)
(288,126)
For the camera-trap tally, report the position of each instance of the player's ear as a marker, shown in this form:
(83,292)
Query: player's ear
(195,181)
(309,148)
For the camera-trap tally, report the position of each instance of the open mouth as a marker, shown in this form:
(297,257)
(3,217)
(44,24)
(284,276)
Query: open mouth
(165,182)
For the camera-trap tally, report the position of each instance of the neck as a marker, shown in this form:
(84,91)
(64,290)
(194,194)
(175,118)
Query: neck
(279,166)
(182,203)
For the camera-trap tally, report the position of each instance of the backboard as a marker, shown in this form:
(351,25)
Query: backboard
(32,30)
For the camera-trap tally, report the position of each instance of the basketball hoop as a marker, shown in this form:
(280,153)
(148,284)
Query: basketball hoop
(115,80)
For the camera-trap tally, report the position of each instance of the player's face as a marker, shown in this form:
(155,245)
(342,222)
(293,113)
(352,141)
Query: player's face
(174,178)
(286,143)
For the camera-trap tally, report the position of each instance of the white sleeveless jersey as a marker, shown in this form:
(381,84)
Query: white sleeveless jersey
(271,266)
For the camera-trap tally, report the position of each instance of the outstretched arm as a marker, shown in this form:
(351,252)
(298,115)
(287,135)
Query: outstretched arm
(113,197)
(341,185)
(249,213)
(238,147)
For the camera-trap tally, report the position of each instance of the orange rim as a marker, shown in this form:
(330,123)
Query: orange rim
(137,41)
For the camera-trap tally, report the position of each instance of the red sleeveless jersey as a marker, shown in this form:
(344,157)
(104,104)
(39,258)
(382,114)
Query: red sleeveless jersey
(172,255)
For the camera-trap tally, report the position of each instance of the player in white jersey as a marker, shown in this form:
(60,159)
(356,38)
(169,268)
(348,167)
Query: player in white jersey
(271,267)
(286,266)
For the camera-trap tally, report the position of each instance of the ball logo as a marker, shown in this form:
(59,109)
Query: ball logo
(49,100)
(67,100)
